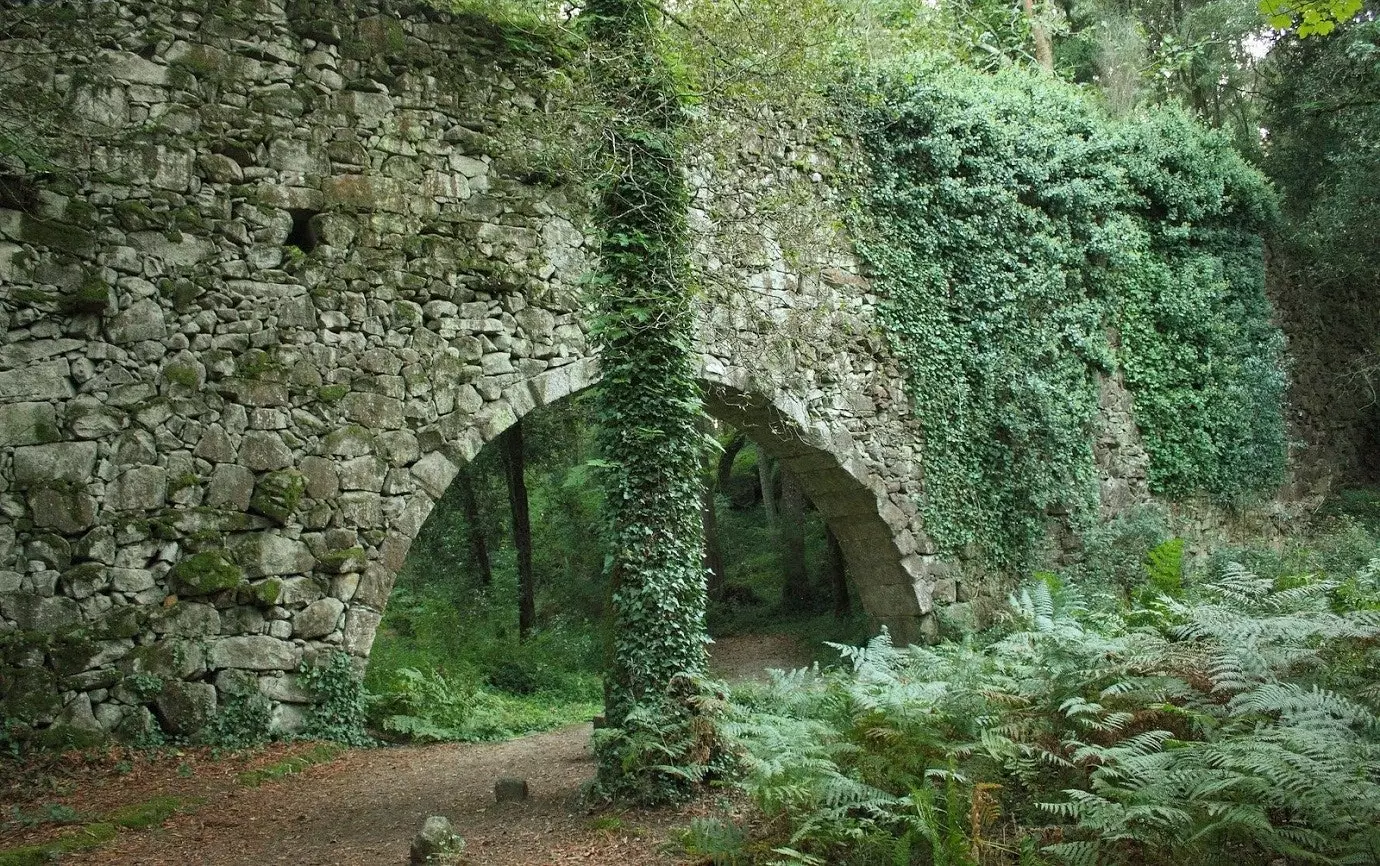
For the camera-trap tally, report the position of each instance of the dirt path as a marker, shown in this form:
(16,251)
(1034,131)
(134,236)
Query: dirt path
(750,656)
(364,807)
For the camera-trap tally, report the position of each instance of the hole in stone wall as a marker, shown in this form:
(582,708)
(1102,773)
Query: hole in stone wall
(302,236)
(18,193)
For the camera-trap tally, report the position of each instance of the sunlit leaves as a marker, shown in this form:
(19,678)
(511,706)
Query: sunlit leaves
(1309,17)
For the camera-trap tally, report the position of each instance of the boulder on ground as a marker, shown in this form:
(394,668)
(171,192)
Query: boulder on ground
(437,843)
(510,789)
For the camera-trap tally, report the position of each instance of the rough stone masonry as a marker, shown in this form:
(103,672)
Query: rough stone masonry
(309,259)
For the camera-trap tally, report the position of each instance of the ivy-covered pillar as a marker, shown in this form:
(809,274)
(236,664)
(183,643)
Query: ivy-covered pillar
(649,405)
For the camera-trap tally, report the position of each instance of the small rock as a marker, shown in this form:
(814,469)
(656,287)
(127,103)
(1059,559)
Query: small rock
(510,789)
(437,843)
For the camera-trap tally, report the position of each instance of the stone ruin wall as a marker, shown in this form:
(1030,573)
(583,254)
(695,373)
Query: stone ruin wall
(309,264)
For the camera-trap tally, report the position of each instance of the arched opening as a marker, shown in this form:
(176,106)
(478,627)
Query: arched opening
(477,616)
(494,626)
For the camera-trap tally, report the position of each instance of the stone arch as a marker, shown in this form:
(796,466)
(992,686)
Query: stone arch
(216,444)
(837,483)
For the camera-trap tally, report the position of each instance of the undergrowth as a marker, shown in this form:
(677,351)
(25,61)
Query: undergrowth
(1224,717)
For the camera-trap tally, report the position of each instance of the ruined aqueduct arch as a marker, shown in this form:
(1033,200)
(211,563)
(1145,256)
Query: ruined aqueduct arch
(305,270)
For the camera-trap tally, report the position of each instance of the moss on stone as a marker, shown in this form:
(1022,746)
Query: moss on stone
(205,573)
(255,364)
(81,213)
(405,312)
(86,571)
(188,219)
(266,592)
(207,64)
(181,374)
(181,291)
(56,235)
(136,216)
(277,494)
(342,561)
(349,439)
(33,297)
(31,694)
(182,482)
(375,37)
(71,654)
(92,296)
(122,622)
(332,393)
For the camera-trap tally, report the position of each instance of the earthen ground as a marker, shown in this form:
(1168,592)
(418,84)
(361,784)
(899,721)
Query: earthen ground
(363,808)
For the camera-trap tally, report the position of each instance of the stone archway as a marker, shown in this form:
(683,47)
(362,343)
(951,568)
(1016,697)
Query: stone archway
(237,372)
(886,581)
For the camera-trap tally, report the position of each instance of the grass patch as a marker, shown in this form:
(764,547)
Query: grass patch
(85,838)
(151,813)
(137,816)
(321,753)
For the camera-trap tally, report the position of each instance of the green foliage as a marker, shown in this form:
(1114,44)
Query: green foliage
(83,839)
(1231,720)
(715,841)
(649,412)
(321,753)
(1165,568)
(145,686)
(95,833)
(339,707)
(1011,227)
(1324,152)
(425,707)
(1309,17)
(447,663)
(240,722)
(50,813)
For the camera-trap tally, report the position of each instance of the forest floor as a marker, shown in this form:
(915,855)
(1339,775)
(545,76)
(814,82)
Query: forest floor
(359,807)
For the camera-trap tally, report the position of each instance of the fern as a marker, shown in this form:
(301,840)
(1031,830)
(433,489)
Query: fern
(1168,733)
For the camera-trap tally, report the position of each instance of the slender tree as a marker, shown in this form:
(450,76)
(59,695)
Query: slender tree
(730,453)
(764,480)
(795,572)
(838,575)
(474,527)
(515,466)
(1044,49)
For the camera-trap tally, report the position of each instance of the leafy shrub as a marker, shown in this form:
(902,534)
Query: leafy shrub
(340,703)
(716,841)
(1012,228)
(1231,722)
(424,707)
(239,723)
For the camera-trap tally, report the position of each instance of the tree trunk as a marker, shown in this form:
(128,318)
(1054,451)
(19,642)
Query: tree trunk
(713,551)
(730,453)
(474,526)
(1044,49)
(795,585)
(764,480)
(838,576)
(515,465)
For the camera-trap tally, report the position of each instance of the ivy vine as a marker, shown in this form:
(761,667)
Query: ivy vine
(649,406)
(1014,229)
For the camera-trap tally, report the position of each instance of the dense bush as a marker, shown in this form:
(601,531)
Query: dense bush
(1013,228)
(1235,724)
